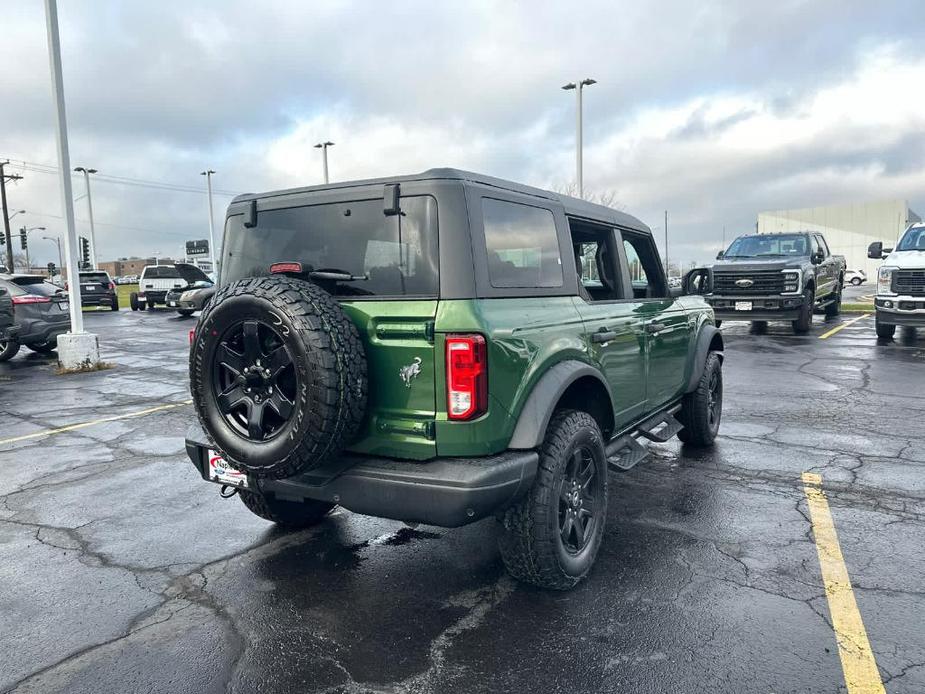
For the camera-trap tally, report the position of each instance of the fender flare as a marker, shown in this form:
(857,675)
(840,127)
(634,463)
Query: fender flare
(701,350)
(537,410)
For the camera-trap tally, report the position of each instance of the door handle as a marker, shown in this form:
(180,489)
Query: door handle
(653,328)
(603,335)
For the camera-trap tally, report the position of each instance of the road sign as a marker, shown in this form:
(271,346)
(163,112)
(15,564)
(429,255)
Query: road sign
(200,247)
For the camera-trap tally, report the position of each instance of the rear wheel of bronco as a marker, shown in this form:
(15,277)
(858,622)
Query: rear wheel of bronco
(702,410)
(290,514)
(802,324)
(278,376)
(550,538)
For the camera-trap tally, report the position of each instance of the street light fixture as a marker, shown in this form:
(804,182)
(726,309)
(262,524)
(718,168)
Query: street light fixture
(86,173)
(579,87)
(208,174)
(323,146)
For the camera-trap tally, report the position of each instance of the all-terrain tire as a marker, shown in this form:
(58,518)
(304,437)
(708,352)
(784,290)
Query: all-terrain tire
(802,324)
(328,375)
(289,514)
(43,347)
(884,331)
(702,409)
(8,349)
(133,301)
(531,542)
(834,309)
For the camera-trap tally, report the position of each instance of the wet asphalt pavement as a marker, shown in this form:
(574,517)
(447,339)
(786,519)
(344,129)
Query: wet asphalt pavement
(122,571)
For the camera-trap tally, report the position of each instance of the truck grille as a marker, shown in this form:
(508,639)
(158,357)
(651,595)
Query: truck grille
(763,282)
(911,282)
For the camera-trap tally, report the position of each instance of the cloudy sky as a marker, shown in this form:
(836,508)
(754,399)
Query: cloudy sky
(713,110)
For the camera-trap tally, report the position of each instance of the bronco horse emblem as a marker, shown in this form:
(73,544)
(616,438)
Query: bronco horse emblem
(410,372)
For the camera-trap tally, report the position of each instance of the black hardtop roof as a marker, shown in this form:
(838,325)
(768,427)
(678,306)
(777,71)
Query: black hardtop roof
(573,206)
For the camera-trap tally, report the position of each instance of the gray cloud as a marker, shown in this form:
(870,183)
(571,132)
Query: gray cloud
(160,91)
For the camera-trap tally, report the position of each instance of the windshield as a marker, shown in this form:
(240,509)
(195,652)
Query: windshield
(376,254)
(768,245)
(912,240)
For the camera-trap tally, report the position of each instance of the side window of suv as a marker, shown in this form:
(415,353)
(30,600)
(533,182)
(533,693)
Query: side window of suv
(596,262)
(522,245)
(643,264)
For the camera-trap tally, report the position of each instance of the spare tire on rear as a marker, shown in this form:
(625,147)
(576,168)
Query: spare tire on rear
(278,376)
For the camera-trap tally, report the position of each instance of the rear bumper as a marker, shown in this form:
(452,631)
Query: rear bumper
(97,299)
(763,307)
(40,331)
(153,296)
(447,492)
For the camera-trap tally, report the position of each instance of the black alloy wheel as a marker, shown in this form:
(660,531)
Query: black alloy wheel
(578,493)
(714,400)
(254,380)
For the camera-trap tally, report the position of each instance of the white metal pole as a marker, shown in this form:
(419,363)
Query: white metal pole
(578,163)
(64,166)
(324,156)
(93,255)
(211,222)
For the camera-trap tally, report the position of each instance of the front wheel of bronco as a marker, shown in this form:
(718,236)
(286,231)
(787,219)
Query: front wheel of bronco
(702,409)
(550,538)
(289,514)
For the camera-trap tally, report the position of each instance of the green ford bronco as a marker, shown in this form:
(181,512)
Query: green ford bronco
(444,347)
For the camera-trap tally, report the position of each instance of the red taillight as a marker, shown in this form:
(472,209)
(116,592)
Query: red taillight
(31,299)
(466,376)
(112,286)
(192,336)
(277,268)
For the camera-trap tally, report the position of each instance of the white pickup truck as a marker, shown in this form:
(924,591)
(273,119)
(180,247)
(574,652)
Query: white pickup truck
(900,296)
(157,280)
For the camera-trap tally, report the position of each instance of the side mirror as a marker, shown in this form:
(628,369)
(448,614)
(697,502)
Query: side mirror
(696,281)
(877,251)
(719,256)
(818,257)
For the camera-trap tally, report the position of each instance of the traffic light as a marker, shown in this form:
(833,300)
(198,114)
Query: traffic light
(52,269)
(23,238)
(84,252)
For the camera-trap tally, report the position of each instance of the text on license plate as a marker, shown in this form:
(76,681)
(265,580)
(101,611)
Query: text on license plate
(743,305)
(220,471)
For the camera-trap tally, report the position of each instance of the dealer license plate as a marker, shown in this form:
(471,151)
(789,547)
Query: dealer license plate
(743,305)
(221,472)
(172,303)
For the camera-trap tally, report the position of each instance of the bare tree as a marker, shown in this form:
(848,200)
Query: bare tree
(607,198)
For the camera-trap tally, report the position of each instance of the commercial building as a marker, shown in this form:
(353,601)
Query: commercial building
(849,229)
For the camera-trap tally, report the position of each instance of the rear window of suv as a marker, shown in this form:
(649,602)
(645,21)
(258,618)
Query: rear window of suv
(389,256)
(101,277)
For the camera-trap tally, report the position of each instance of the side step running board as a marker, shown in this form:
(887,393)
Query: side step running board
(660,428)
(624,452)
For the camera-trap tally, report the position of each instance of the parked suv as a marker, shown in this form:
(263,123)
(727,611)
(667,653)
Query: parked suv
(444,347)
(98,289)
(6,315)
(764,277)
(40,312)
(900,296)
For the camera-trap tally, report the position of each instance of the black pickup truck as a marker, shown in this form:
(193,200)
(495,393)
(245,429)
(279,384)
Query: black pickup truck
(786,277)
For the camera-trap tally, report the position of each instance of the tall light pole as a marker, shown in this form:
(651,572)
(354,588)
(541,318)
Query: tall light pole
(26,249)
(76,349)
(57,241)
(208,174)
(578,87)
(323,146)
(8,237)
(86,173)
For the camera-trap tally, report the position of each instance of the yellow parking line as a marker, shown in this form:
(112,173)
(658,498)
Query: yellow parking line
(83,425)
(857,659)
(842,326)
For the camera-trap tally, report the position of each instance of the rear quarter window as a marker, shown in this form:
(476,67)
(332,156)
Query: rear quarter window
(522,245)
